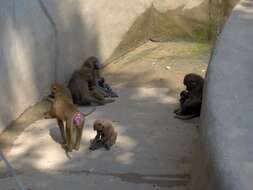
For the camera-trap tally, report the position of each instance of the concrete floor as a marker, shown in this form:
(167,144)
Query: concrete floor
(153,149)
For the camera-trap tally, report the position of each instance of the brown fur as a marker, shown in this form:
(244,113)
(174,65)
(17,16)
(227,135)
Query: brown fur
(191,98)
(64,110)
(106,135)
(82,85)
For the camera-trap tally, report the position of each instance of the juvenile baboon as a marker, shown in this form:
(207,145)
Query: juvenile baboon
(82,85)
(191,98)
(64,110)
(106,135)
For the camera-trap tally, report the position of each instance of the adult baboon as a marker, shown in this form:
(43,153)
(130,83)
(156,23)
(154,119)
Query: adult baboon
(82,85)
(64,110)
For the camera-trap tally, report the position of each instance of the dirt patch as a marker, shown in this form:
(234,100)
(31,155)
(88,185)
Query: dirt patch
(156,64)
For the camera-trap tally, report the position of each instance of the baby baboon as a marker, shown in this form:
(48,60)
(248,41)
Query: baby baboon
(191,98)
(64,110)
(106,135)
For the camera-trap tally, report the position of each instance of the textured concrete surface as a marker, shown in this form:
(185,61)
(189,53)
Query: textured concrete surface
(153,150)
(225,159)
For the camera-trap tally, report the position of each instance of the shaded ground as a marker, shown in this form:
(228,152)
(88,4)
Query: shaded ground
(153,151)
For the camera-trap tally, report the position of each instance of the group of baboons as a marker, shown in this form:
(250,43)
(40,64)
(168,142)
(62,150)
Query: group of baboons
(86,87)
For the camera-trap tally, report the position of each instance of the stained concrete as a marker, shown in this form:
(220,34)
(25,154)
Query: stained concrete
(153,150)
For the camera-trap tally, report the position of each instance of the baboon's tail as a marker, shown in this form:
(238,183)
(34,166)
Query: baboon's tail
(186,117)
(90,112)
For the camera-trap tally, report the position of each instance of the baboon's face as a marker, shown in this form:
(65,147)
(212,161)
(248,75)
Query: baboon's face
(190,85)
(98,126)
(56,88)
(92,62)
(191,81)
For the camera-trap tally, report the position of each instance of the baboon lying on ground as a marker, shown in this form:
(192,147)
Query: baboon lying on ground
(64,110)
(191,98)
(106,135)
(82,85)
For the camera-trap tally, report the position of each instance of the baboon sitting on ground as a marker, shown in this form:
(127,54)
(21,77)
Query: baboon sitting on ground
(191,98)
(106,135)
(82,85)
(101,85)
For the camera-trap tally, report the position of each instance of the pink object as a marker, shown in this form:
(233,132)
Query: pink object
(78,118)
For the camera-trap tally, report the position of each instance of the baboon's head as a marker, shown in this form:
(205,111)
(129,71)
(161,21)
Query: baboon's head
(98,126)
(56,88)
(92,63)
(193,81)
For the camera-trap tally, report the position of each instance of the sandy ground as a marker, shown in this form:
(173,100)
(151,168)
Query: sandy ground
(159,65)
(153,150)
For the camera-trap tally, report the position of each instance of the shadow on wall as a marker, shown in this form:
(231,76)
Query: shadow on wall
(75,40)
(41,41)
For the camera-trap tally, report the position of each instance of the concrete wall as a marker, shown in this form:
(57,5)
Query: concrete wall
(26,56)
(224,160)
(88,27)
(44,40)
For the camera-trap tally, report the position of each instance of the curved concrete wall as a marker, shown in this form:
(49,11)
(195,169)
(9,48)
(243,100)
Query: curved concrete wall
(224,160)
(45,40)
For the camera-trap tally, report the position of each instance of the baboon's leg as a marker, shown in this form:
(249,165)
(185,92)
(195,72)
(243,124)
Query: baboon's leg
(111,141)
(94,100)
(101,92)
(184,95)
(96,145)
(69,126)
(50,114)
(86,97)
(61,126)
(113,138)
(191,106)
(79,132)
(96,94)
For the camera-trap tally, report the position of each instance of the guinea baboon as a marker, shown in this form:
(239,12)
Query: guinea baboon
(100,85)
(106,135)
(64,110)
(93,62)
(59,88)
(82,86)
(191,98)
